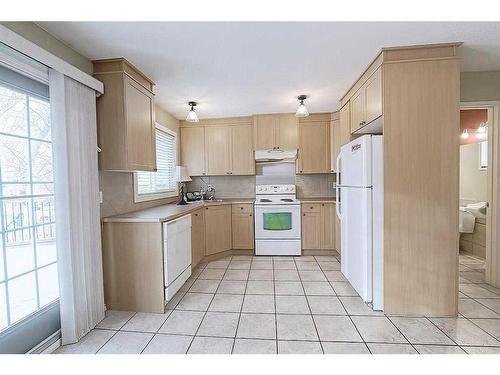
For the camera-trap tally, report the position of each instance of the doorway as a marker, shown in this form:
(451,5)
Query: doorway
(478,194)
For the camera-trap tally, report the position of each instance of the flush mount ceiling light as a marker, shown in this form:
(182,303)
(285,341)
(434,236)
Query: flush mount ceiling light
(192,116)
(465,134)
(301,109)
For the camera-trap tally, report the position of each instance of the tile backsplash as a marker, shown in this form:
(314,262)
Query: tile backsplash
(308,186)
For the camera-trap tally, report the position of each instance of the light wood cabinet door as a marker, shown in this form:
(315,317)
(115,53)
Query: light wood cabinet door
(217,229)
(287,131)
(311,230)
(334,143)
(327,226)
(242,229)
(358,106)
(264,132)
(193,150)
(314,147)
(242,158)
(197,236)
(218,150)
(345,125)
(373,94)
(141,142)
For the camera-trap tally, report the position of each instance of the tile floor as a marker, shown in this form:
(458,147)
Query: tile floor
(258,305)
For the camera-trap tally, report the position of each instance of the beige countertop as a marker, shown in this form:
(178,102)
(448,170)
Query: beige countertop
(168,212)
(318,200)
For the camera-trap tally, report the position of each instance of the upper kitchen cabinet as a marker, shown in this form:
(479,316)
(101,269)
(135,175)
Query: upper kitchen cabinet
(366,105)
(193,150)
(334,140)
(277,131)
(217,147)
(314,144)
(125,117)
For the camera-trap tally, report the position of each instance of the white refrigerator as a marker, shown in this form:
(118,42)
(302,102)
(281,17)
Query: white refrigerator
(360,208)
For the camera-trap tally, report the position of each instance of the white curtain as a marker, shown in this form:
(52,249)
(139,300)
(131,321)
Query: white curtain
(78,232)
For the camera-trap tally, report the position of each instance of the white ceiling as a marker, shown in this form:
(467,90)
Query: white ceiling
(238,68)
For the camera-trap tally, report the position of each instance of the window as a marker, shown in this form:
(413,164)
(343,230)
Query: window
(163,182)
(28,259)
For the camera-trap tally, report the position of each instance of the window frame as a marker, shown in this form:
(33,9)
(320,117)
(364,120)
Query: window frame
(160,195)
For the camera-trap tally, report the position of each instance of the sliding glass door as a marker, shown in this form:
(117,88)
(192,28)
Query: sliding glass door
(28,258)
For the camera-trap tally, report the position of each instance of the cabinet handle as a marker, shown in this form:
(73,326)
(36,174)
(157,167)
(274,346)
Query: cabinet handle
(203,173)
(206,208)
(300,171)
(250,215)
(311,207)
(241,208)
(303,214)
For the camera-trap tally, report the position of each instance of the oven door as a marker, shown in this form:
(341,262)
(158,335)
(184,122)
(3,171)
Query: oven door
(277,222)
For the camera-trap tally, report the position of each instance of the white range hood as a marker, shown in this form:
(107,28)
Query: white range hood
(273,155)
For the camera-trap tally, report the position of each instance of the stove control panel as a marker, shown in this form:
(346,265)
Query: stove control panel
(274,189)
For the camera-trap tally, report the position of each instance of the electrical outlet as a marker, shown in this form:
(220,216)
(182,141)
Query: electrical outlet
(100,197)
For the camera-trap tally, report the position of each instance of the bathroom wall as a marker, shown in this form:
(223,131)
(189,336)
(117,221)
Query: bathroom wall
(118,187)
(473,181)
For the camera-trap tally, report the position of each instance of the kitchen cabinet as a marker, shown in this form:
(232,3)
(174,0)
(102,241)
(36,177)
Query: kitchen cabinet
(345,125)
(242,226)
(278,131)
(318,226)
(197,237)
(366,103)
(334,140)
(193,150)
(314,146)
(242,158)
(311,226)
(125,117)
(218,150)
(217,229)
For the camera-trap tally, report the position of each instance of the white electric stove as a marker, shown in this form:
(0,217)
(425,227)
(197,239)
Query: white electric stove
(277,220)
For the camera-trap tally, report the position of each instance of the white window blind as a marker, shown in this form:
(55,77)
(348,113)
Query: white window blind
(162,183)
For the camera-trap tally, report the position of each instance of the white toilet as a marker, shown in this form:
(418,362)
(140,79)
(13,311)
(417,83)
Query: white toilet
(468,215)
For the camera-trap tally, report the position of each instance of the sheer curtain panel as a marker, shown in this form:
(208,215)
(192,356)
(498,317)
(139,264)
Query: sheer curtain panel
(74,137)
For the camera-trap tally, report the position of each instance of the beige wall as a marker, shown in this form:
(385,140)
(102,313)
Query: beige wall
(473,181)
(39,36)
(480,86)
(118,187)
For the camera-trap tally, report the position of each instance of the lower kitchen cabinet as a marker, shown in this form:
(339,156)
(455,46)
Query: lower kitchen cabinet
(318,226)
(217,229)
(197,236)
(242,226)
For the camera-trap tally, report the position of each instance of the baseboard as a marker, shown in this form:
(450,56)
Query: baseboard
(48,345)
(318,252)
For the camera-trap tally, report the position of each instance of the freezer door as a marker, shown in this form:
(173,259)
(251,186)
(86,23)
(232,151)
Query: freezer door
(356,162)
(356,239)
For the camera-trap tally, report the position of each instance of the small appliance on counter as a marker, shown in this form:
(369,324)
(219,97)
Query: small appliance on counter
(182,177)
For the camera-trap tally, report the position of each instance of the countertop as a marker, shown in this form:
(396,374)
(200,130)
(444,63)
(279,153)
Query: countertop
(168,212)
(318,200)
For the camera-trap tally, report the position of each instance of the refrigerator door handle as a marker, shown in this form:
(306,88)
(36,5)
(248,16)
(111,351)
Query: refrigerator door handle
(337,189)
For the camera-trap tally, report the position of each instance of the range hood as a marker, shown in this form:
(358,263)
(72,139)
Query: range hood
(275,155)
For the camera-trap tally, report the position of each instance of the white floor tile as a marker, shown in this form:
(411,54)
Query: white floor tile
(318,288)
(336,328)
(182,322)
(421,331)
(296,327)
(257,326)
(211,274)
(236,275)
(289,288)
(344,348)
(195,302)
(481,349)
(356,306)
(260,287)
(211,345)
(115,319)
(439,349)
(254,346)
(232,287)
(126,343)
(219,324)
(343,288)
(168,344)
(391,348)
(378,329)
(261,275)
(312,275)
(325,305)
(292,305)
(204,286)
(299,347)
(492,326)
(226,303)
(472,309)
(146,322)
(464,332)
(286,275)
(258,304)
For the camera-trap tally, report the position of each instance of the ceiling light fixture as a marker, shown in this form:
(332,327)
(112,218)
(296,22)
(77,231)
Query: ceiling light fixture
(192,116)
(301,109)
(465,134)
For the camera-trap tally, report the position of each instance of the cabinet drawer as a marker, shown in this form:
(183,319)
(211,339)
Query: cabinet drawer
(242,208)
(311,207)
